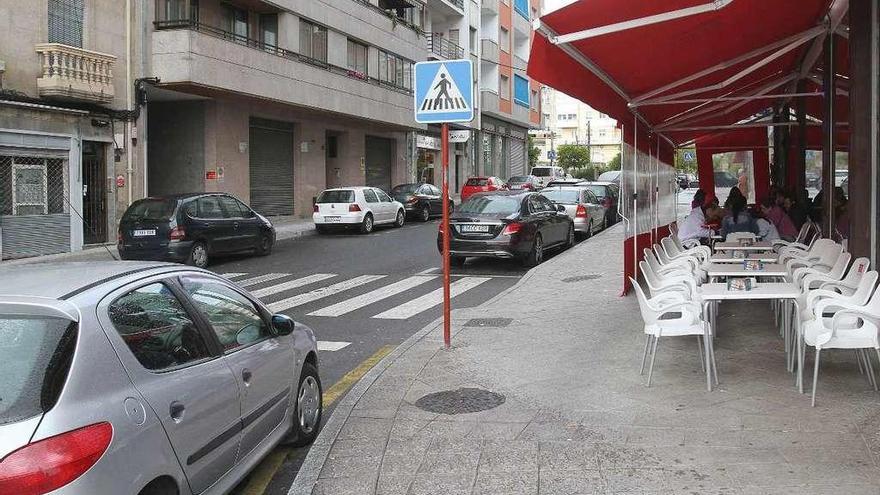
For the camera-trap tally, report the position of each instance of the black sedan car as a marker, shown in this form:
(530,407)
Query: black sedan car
(421,200)
(511,225)
(190,228)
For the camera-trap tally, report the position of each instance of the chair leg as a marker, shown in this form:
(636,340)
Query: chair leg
(645,354)
(712,359)
(859,360)
(815,376)
(702,359)
(877,350)
(653,355)
(870,366)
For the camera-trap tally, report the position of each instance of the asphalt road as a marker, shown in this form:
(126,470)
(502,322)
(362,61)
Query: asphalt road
(367,292)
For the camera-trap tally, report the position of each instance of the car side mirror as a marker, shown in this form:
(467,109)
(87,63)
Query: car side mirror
(283,324)
(560,209)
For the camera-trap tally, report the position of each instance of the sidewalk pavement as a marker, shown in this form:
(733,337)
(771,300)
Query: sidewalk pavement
(576,416)
(286,227)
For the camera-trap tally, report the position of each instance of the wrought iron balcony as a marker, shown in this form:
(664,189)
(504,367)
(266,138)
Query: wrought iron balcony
(442,47)
(74,73)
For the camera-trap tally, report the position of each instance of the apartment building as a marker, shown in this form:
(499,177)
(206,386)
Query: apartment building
(66,166)
(570,121)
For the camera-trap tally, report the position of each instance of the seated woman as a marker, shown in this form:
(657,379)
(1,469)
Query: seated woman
(766,229)
(738,219)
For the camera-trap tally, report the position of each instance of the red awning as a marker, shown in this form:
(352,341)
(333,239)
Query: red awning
(742,49)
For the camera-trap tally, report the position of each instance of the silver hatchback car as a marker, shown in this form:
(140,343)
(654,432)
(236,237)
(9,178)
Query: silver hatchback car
(144,379)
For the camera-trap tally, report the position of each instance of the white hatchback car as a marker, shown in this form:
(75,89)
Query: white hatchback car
(360,207)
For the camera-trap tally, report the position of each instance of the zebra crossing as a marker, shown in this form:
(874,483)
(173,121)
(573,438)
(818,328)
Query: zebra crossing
(285,291)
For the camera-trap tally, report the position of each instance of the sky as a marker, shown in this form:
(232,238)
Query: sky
(551,5)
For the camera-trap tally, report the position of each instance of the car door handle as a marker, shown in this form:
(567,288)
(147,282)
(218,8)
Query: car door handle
(176,410)
(246,376)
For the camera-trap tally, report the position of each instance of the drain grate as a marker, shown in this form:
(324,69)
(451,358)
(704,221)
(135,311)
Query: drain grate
(489,322)
(581,278)
(463,400)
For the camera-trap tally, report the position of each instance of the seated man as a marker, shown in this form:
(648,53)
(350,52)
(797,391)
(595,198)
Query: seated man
(779,218)
(694,227)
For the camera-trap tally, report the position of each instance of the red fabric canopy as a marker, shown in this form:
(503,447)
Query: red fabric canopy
(754,140)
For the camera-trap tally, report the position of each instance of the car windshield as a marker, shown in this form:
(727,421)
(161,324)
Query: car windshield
(519,179)
(150,209)
(35,354)
(490,205)
(565,196)
(477,182)
(542,171)
(337,196)
(405,189)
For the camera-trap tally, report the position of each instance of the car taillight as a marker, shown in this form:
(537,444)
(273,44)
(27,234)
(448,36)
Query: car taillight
(412,200)
(316,208)
(512,228)
(177,233)
(527,186)
(119,236)
(354,207)
(581,212)
(49,464)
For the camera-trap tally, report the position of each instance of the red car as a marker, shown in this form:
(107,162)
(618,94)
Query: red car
(481,184)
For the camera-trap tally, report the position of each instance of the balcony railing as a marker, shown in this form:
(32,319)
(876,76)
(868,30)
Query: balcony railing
(277,51)
(72,73)
(442,47)
(457,3)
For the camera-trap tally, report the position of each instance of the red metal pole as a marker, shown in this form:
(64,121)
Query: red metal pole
(444,154)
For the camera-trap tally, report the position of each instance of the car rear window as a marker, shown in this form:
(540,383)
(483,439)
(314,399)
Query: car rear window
(405,188)
(542,171)
(35,355)
(518,179)
(599,191)
(490,205)
(338,196)
(568,196)
(477,182)
(150,209)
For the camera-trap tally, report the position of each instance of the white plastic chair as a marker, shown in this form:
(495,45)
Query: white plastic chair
(683,284)
(834,271)
(853,326)
(807,233)
(688,322)
(685,266)
(849,283)
(824,251)
(811,252)
(859,296)
(673,248)
(691,260)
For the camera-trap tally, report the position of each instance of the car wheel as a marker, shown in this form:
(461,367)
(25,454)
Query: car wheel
(321,229)
(457,261)
(401,219)
(307,409)
(589,230)
(570,242)
(264,247)
(198,255)
(604,223)
(367,224)
(536,255)
(425,214)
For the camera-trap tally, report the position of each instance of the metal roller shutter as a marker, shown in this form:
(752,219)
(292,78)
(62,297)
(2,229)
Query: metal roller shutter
(271,167)
(378,162)
(517,157)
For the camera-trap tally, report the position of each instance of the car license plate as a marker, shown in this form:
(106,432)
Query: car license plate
(143,232)
(481,229)
(332,219)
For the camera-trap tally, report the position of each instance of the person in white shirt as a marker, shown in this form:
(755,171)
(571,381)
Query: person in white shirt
(766,229)
(694,226)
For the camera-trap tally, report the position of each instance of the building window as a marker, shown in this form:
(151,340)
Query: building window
(357,57)
(395,70)
(504,39)
(534,100)
(175,11)
(504,87)
(237,23)
(313,40)
(66,22)
(473,41)
(32,185)
(521,7)
(269,29)
(521,91)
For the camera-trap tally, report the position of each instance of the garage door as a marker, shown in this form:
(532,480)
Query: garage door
(271,167)
(517,157)
(378,160)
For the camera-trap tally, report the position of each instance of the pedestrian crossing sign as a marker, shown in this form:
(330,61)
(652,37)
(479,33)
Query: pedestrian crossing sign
(444,91)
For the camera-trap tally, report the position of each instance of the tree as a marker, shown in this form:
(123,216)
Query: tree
(614,164)
(534,152)
(572,157)
(685,160)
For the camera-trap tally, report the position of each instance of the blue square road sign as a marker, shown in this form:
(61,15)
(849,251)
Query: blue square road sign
(443,91)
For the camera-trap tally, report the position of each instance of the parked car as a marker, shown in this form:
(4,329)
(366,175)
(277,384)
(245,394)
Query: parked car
(421,200)
(192,228)
(724,178)
(545,174)
(137,378)
(813,179)
(581,206)
(356,207)
(510,225)
(612,176)
(481,184)
(608,194)
(566,181)
(521,182)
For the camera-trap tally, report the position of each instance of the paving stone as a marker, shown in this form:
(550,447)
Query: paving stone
(509,483)
(350,466)
(507,456)
(442,484)
(359,485)
(579,482)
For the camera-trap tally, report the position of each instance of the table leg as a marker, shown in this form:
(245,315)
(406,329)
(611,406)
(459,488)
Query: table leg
(706,336)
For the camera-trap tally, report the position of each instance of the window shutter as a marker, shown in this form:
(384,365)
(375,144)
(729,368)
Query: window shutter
(66,22)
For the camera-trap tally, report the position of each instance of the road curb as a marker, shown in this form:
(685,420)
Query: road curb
(311,467)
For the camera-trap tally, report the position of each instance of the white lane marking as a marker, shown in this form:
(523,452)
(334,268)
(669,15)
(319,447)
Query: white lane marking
(259,279)
(438,270)
(292,284)
(428,301)
(362,300)
(233,275)
(429,271)
(327,345)
(300,299)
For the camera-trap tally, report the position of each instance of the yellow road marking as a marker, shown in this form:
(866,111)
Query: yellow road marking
(263,474)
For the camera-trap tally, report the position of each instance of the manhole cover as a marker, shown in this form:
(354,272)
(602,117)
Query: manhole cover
(463,400)
(489,322)
(581,278)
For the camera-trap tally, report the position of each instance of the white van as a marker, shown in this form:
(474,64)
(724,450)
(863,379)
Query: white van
(546,174)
